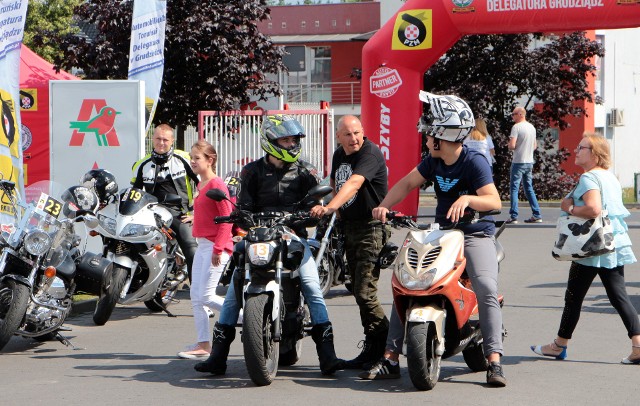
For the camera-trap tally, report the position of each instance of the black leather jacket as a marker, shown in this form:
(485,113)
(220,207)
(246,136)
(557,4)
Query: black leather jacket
(267,188)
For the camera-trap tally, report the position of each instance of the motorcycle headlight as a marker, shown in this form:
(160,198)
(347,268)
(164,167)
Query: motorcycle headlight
(107,223)
(135,230)
(37,242)
(261,253)
(421,281)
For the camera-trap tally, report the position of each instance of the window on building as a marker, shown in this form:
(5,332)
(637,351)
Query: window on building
(284,24)
(303,24)
(317,23)
(321,64)
(334,23)
(269,25)
(348,22)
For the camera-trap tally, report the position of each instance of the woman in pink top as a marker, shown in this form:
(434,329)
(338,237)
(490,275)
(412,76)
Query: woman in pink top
(214,246)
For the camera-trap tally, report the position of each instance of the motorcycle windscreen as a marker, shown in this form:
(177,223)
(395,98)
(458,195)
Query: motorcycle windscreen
(133,200)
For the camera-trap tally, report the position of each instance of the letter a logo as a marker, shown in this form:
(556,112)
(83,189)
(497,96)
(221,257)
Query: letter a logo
(100,124)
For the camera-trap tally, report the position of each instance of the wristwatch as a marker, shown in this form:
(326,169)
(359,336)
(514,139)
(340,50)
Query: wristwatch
(570,211)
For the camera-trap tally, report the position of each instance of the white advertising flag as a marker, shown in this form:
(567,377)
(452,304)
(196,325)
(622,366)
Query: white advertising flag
(146,54)
(12,17)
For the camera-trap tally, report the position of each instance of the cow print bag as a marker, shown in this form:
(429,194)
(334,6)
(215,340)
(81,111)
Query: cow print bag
(580,238)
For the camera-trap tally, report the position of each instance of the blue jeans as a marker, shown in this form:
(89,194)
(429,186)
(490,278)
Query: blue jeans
(310,290)
(524,173)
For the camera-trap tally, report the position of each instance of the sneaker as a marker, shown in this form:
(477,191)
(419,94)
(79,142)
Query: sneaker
(495,376)
(194,354)
(512,220)
(533,220)
(382,370)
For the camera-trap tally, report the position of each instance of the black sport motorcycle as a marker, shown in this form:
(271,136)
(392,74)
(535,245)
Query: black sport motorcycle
(275,315)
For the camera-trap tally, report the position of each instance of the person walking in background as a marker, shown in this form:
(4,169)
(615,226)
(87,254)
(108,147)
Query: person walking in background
(359,179)
(597,189)
(167,171)
(214,246)
(480,140)
(522,142)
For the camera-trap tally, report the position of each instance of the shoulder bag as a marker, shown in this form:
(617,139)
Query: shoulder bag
(580,238)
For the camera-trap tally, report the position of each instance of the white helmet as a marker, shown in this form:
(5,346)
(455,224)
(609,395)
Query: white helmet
(451,118)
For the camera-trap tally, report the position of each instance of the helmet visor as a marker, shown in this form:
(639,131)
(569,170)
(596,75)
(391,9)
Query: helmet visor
(287,129)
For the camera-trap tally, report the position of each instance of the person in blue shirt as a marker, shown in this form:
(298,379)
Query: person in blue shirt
(462,181)
(597,189)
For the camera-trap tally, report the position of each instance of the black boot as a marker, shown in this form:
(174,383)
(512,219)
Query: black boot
(216,364)
(322,335)
(372,350)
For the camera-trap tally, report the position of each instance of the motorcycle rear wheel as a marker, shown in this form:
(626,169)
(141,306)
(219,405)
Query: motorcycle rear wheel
(14,299)
(474,358)
(261,353)
(422,361)
(111,288)
(292,356)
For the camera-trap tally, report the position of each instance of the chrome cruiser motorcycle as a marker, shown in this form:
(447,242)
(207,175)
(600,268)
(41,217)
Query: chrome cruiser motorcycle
(40,255)
(275,314)
(137,237)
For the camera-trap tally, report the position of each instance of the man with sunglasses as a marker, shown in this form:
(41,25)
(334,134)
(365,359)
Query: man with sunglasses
(522,142)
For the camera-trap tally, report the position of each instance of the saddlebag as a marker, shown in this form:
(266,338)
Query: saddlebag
(90,273)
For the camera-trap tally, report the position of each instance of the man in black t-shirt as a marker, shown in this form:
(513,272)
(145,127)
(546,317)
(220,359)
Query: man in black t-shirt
(359,179)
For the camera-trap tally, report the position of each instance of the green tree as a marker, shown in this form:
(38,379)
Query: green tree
(495,73)
(215,57)
(45,17)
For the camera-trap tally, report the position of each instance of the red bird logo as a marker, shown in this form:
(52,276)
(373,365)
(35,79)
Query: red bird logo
(101,125)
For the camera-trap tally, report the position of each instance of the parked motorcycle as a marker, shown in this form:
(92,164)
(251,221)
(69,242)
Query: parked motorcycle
(434,299)
(275,315)
(137,238)
(41,253)
(327,246)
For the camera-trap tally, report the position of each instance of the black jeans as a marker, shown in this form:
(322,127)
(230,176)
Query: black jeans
(580,279)
(363,242)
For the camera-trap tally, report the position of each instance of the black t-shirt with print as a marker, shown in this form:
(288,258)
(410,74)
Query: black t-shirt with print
(369,163)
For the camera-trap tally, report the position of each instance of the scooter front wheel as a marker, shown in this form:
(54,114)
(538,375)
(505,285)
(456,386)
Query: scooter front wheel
(422,361)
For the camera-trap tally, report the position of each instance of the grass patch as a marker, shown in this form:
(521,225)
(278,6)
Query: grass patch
(628,195)
(81,297)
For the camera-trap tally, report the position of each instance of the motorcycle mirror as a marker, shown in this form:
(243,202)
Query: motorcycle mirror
(319,191)
(217,195)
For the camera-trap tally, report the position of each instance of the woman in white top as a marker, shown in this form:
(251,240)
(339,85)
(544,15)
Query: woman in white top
(480,140)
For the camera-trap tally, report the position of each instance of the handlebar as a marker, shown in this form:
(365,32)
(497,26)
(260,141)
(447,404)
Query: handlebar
(397,219)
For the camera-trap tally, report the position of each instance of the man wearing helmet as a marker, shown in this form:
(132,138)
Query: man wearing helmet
(277,182)
(359,177)
(168,171)
(462,181)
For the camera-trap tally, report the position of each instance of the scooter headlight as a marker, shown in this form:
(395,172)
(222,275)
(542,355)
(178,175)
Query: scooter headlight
(37,242)
(260,254)
(107,223)
(422,281)
(135,230)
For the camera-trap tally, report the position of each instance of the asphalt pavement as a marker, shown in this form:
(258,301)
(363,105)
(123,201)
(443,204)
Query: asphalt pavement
(131,360)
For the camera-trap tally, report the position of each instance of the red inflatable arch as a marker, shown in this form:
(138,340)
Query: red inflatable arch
(396,57)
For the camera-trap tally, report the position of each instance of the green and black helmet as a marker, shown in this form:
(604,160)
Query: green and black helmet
(280,126)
